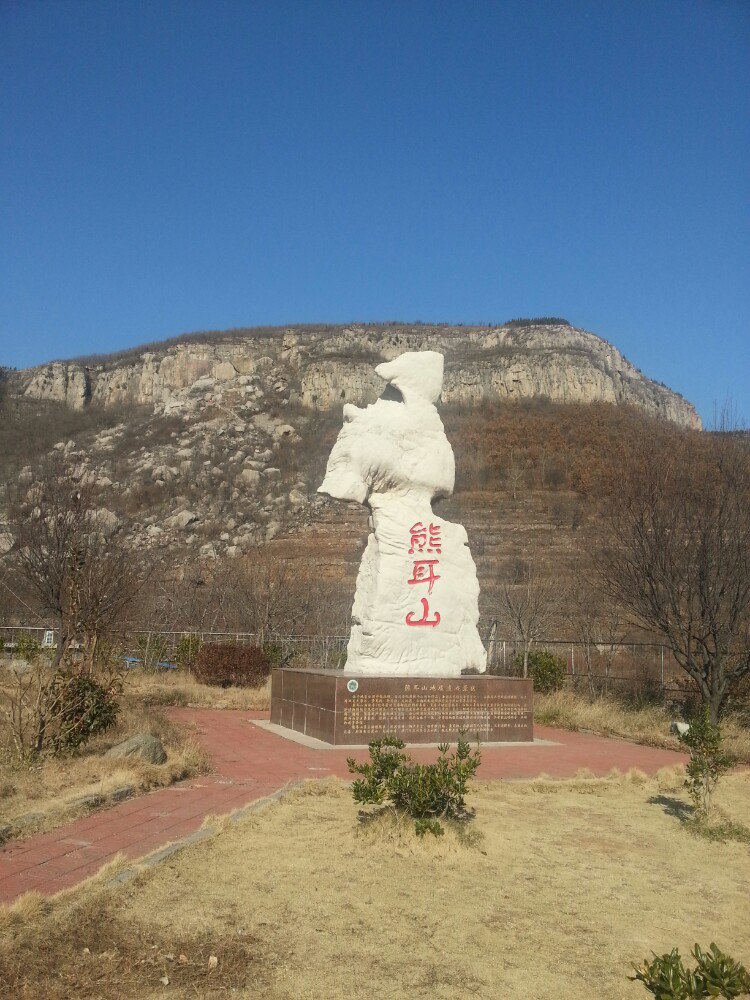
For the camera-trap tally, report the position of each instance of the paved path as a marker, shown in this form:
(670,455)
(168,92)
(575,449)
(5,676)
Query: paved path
(250,763)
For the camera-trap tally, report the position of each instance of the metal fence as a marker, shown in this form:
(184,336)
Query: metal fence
(153,648)
(646,666)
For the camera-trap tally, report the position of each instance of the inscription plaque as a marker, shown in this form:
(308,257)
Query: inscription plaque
(320,703)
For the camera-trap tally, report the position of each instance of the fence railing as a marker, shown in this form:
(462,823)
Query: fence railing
(603,667)
(153,648)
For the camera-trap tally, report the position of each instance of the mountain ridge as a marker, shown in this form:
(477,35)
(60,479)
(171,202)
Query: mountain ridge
(320,366)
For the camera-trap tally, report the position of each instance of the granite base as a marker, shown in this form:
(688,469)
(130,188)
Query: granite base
(346,709)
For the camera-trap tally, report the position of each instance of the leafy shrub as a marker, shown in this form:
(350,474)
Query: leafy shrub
(423,826)
(55,712)
(275,653)
(27,647)
(715,975)
(708,762)
(228,664)
(80,708)
(547,671)
(425,792)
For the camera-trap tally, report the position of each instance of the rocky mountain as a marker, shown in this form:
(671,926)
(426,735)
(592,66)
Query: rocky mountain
(205,447)
(321,367)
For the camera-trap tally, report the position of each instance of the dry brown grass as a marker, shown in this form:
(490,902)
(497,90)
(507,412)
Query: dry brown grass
(180,688)
(44,794)
(565,884)
(648,725)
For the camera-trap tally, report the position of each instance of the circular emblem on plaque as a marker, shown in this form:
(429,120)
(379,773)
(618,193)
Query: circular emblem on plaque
(352,685)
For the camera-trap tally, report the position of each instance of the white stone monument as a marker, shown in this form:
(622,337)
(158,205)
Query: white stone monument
(415,610)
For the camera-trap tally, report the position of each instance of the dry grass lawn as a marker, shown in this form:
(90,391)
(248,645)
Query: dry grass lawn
(648,725)
(560,887)
(179,687)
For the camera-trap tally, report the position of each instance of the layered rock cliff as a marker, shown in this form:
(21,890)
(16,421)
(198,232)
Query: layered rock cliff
(321,367)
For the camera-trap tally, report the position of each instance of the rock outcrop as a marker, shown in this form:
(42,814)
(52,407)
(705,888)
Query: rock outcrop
(321,367)
(215,444)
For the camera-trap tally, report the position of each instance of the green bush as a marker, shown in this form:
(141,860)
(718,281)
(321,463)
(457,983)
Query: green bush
(275,653)
(186,650)
(425,792)
(547,671)
(228,664)
(27,647)
(715,975)
(80,708)
(707,764)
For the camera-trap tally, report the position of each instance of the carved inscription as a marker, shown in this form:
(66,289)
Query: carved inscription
(427,707)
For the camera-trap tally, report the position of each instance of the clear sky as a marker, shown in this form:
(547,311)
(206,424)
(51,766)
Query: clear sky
(168,167)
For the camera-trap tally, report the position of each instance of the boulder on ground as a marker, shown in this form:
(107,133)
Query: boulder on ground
(251,476)
(286,431)
(143,745)
(182,520)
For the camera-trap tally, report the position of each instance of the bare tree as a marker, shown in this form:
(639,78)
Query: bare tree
(598,629)
(70,556)
(277,597)
(515,479)
(528,611)
(262,593)
(678,555)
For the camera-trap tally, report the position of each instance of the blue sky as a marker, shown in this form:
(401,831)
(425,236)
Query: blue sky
(168,167)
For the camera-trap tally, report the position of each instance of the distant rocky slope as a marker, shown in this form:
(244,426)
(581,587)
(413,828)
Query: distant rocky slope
(210,445)
(321,367)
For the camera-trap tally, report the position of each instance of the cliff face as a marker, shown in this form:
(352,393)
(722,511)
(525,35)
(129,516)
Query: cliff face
(321,368)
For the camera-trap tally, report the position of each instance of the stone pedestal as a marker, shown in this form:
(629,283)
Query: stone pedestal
(352,709)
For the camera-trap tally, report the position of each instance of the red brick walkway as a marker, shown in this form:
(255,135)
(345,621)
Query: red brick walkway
(249,764)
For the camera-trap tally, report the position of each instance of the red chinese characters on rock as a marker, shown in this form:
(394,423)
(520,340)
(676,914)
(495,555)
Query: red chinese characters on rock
(424,540)
(423,571)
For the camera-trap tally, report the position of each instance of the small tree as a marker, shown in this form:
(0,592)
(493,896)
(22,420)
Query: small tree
(707,764)
(528,610)
(50,711)
(548,672)
(515,479)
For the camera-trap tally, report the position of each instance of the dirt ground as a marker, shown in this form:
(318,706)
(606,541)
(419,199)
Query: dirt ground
(558,888)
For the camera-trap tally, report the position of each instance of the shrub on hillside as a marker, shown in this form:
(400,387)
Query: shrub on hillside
(228,664)
(547,671)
